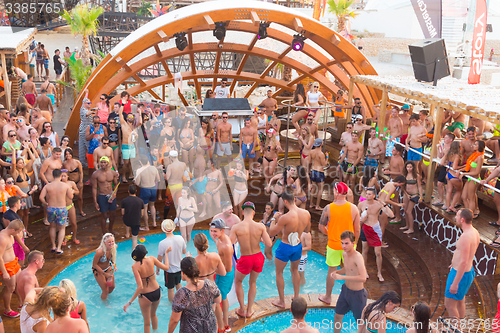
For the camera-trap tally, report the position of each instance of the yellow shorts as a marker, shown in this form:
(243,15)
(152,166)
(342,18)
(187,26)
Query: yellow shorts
(333,257)
(176,187)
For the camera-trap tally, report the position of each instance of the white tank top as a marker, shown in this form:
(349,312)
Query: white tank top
(27,322)
(262,123)
(313,97)
(52,138)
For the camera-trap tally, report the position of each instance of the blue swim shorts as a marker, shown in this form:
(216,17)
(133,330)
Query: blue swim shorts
(128,151)
(225,283)
(148,194)
(58,215)
(412,156)
(286,252)
(246,149)
(317,176)
(104,205)
(463,285)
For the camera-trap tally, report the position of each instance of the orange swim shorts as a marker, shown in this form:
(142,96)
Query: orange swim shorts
(12,267)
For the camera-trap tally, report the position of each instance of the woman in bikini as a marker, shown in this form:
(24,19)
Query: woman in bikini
(279,187)
(75,174)
(206,136)
(20,171)
(314,96)
(267,218)
(302,186)
(374,314)
(209,264)
(473,168)
(168,132)
(369,180)
(148,289)
(240,190)
(78,309)
(453,160)
(186,208)
(186,140)
(103,265)
(200,180)
(214,184)
(306,141)
(271,148)
(299,101)
(412,194)
(70,206)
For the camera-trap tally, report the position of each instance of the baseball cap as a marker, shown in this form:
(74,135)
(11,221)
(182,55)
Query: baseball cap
(174,153)
(359,116)
(104,158)
(167,225)
(341,188)
(218,224)
(248,204)
(139,252)
(318,142)
(76,49)
(406,107)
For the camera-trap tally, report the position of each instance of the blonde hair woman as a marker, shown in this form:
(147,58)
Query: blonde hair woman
(314,96)
(35,316)
(60,304)
(103,264)
(78,309)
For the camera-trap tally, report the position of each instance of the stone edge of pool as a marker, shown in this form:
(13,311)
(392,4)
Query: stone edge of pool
(264,308)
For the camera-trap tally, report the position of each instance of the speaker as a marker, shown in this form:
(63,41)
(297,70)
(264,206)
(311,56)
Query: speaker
(226,104)
(425,55)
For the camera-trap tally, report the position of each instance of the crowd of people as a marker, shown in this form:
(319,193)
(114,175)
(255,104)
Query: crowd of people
(182,160)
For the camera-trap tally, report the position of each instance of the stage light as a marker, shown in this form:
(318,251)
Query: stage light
(220,30)
(298,42)
(262,30)
(181,41)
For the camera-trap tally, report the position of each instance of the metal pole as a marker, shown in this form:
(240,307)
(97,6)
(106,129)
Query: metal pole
(325,120)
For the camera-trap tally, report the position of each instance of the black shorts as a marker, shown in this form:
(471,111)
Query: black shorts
(346,165)
(351,300)
(362,236)
(135,230)
(442,174)
(104,205)
(172,279)
(58,71)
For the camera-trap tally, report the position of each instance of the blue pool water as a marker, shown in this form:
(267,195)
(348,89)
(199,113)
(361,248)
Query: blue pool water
(321,319)
(109,315)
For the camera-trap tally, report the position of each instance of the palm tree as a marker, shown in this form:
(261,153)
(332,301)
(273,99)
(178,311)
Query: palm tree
(83,21)
(145,9)
(340,8)
(79,74)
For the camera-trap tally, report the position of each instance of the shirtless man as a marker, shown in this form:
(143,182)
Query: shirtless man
(224,139)
(227,215)
(298,308)
(360,127)
(224,283)
(375,149)
(467,145)
(457,125)
(350,159)
(45,105)
(371,232)
(443,149)
(104,194)
(462,273)
(51,90)
(269,104)
(26,279)
(388,196)
(147,177)
(353,295)
(416,135)
(54,196)
(291,225)
(104,150)
(345,138)
(23,131)
(173,176)
(397,164)
(405,118)
(248,234)
(319,163)
(37,120)
(313,128)
(10,126)
(9,267)
(394,131)
(50,164)
(129,135)
(4,120)
(260,121)
(248,143)
(29,90)
(254,121)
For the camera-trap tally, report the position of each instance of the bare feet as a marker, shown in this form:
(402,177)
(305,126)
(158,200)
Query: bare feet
(367,276)
(83,214)
(409,231)
(202,215)
(46,222)
(278,304)
(240,313)
(403,228)
(380,278)
(249,315)
(384,245)
(318,208)
(143,229)
(324,299)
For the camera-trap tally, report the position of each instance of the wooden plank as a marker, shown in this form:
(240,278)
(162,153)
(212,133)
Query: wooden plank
(297,25)
(163,36)
(255,18)
(435,141)
(141,82)
(268,69)
(192,62)
(158,51)
(163,92)
(233,85)
(432,109)
(284,53)
(252,88)
(165,66)
(183,99)
(383,110)
(155,95)
(349,100)
(252,43)
(198,89)
(210,22)
(242,63)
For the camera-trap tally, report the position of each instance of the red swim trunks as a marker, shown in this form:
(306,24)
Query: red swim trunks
(254,262)
(403,138)
(31,99)
(12,267)
(373,234)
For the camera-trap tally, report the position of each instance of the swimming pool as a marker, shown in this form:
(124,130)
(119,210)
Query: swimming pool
(321,319)
(109,316)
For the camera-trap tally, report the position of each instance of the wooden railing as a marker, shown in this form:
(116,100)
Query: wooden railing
(60,88)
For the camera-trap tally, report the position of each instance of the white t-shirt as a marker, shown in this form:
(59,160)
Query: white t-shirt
(175,256)
(221,92)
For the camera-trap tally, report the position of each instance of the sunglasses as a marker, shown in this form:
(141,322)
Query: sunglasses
(111,122)
(315,86)
(225,117)
(259,112)
(9,182)
(349,127)
(105,143)
(102,99)
(65,140)
(12,136)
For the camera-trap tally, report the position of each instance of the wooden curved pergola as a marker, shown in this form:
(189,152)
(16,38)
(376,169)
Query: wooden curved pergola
(153,43)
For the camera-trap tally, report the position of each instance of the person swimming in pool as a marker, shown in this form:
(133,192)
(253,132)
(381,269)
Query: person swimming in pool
(148,289)
(103,264)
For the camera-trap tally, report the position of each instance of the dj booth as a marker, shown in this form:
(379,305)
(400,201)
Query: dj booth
(237,108)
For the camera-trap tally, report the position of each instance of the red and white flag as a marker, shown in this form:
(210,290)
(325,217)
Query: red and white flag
(478,42)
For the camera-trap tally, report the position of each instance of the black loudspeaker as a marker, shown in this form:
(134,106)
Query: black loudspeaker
(429,60)
(225,104)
